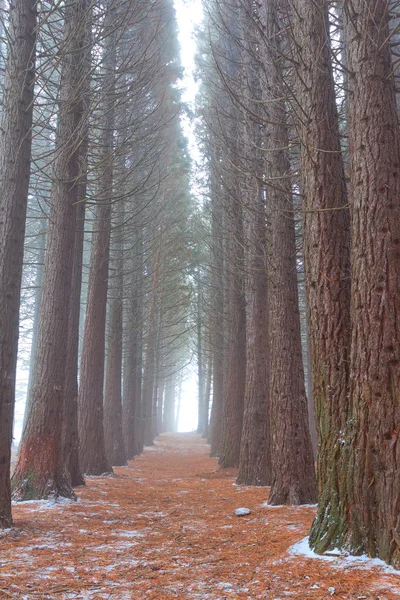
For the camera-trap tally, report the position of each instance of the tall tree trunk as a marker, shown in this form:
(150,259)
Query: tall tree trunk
(207,396)
(15,157)
(255,455)
(200,374)
(293,473)
(217,322)
(40,470)
(374,476)
(310,398)
(170,405)
(132,350)
(36,314)
(235,338)
(133,333)
(178,402)
(150,358)
(161,407)
(326,259)
(70,422)
(113,435)
(92,452)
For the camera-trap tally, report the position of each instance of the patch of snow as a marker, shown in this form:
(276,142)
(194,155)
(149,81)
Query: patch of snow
(291,506)
(341,559)
(130,534)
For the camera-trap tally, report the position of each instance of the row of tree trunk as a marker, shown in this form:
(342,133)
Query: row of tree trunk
(274,82)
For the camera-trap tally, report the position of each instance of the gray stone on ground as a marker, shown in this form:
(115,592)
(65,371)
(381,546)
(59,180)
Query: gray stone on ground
(242,512)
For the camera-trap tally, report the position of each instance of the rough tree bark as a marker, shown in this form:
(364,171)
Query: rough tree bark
(92,454)
(293,473)
(255,455)
(70,422)
(15,157)
(326,258)
(40,470)
(373,475)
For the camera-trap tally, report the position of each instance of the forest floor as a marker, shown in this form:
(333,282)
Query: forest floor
(165,528)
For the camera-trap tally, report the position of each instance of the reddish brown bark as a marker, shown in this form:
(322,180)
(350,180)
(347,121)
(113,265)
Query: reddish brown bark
(373,476)
(255,456)
(293,473)
(40,470)
(15,156)
(92,452)
(326,257)
(234,337)
(70,422)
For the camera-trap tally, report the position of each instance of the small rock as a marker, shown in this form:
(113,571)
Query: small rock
(242,512)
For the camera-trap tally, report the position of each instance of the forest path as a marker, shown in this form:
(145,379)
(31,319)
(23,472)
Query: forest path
(165,528)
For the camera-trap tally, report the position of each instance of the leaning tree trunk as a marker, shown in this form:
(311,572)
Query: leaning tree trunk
(326,259)
(92,453)
(15,157)
(40,470)
(293,473)
(374,475)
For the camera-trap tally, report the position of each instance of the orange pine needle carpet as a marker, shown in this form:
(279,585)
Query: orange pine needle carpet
(165,528)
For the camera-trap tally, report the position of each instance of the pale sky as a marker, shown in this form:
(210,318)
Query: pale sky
(189,14)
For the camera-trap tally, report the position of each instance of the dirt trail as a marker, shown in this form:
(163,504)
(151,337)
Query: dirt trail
(165,528)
